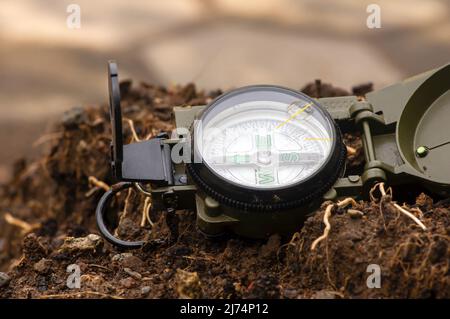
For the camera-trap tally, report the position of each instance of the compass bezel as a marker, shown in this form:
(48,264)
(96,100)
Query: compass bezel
(267,199)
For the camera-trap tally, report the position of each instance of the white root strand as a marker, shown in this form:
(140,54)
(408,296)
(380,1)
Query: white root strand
(414,218)
(401,209)
(326,221)
(146,212)
(133,130)
(327,227)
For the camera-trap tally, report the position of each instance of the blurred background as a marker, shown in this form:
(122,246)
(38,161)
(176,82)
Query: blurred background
(47,68)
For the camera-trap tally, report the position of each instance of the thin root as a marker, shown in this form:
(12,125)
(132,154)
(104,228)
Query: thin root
(123,214)
(26,227)
(127,202)
(326,221)
(397,206)
(132,128)
(327,227)
(146,212)
(97,183)
(380,187)
(414,218)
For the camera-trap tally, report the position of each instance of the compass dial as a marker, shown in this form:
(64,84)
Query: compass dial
(265,144)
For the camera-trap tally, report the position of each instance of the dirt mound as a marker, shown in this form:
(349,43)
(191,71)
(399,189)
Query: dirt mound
(413,263)
(47,224)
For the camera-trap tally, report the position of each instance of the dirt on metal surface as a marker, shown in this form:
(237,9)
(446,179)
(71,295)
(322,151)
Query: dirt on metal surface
(47,223)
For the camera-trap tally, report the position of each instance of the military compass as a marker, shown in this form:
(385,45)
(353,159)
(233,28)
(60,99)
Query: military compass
(258,160)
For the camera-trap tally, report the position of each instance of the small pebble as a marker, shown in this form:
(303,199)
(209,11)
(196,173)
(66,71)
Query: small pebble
(91,242)
(188,285)
(355,213)
(145,290)
(43,265)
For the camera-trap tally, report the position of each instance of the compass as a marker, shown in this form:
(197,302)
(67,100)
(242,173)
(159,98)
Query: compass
(265,148)
(259,160)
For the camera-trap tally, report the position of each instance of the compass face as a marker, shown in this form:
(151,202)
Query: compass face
(265,137)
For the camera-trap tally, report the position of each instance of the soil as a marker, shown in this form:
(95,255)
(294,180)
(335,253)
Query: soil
(47,224)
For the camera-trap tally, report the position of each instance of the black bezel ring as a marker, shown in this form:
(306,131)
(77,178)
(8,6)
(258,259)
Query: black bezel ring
(266,200)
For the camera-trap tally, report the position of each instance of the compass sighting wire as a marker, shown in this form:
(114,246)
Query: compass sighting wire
(439,145)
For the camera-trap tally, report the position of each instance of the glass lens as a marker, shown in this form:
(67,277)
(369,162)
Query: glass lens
(266,143)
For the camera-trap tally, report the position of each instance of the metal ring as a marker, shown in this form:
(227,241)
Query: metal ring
(100,214)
